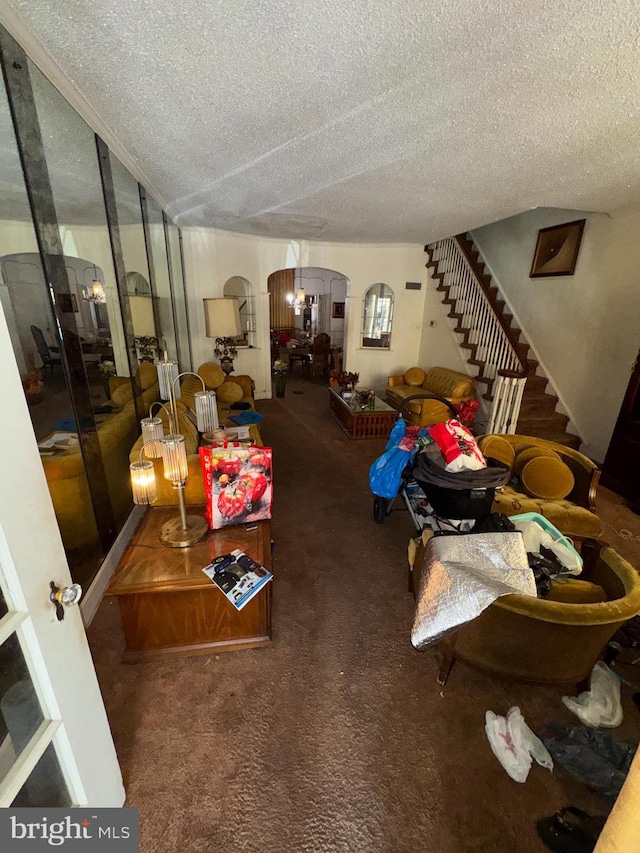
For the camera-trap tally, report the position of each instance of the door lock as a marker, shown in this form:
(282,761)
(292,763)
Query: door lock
(65,597)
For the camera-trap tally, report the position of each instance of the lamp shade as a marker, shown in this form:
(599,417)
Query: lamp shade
(143,482)
(174,457)
(222,318)
(152,430)
(142,321)
(206,411)
(167,372)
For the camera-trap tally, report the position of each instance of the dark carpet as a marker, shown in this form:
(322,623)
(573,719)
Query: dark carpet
(337,738)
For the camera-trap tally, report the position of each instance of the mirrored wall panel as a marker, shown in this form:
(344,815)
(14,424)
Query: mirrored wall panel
(91,285)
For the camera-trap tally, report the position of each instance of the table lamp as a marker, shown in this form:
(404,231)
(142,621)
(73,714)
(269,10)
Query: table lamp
(187,529)
(222,322)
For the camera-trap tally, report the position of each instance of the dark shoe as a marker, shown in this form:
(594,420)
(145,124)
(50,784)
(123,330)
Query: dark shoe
(570,830)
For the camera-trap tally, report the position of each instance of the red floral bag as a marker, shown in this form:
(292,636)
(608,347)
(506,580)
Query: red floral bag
(237,483)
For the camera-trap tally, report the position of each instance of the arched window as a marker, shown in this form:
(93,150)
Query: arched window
(239,288)
(377,316)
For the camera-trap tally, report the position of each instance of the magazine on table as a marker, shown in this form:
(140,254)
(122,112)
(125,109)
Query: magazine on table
(237,576)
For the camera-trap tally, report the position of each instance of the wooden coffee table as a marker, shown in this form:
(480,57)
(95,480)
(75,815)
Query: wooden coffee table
(170,608)
(362,423)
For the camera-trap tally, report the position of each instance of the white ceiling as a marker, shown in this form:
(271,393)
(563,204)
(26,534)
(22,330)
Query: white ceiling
(372,121)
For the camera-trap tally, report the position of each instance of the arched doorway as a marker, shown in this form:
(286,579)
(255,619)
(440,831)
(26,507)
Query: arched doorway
(305,302)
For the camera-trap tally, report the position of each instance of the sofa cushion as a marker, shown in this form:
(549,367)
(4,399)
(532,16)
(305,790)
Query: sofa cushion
(575,591)
(570,519)
(414,377)
(547,478)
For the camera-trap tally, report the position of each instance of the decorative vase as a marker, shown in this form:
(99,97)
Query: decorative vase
(281,384)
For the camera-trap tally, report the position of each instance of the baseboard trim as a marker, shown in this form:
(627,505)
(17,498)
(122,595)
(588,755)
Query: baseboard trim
(93,596)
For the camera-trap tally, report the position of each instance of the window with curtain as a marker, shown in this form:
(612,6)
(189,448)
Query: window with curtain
(377,316)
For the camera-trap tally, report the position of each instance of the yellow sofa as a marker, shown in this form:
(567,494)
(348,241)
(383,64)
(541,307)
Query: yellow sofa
(215,380)
(574,516)
(453,386)
(69,488)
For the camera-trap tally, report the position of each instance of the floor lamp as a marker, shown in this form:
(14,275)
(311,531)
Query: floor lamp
(187,529)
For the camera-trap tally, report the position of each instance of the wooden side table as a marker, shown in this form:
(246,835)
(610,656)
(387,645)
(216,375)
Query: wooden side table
(170,608)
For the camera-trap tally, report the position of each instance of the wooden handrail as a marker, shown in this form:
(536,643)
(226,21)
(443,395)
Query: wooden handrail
(506,328)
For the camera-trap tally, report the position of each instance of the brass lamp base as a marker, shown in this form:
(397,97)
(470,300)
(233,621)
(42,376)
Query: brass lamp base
(174,535)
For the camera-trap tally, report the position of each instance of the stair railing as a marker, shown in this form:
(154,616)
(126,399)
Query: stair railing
(491,341)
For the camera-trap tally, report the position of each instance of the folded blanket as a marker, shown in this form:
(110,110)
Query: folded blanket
(248,417)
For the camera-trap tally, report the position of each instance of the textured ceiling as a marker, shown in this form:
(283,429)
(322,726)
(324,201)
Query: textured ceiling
(373,121)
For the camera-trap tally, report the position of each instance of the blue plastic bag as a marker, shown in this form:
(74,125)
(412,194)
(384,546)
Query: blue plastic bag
(398,432)
(385,475)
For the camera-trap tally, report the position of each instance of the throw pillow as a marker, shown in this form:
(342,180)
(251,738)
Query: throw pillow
(547,478)
(122,394)
(495,447)
(414,377)
(212,374)
(147,375)
(530,453)
(229,392)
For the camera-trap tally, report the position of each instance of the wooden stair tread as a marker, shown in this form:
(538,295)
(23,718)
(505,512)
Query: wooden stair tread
(538,415)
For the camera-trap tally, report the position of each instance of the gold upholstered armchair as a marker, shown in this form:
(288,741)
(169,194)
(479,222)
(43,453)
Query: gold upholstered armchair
(553,640)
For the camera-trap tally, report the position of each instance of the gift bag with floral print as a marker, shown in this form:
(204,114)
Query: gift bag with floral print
(237,483)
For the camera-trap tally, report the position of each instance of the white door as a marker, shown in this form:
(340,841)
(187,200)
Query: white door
(56,747)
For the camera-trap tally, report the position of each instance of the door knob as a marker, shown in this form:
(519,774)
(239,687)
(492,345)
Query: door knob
(65,597)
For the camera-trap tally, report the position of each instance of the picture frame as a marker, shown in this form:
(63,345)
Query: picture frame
(557,250)
(337,310)
(68,303)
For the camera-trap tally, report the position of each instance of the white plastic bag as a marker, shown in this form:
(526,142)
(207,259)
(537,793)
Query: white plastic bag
(535,537)
(600,704)
(514,744)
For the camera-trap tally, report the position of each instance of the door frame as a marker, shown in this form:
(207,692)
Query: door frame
(56,652)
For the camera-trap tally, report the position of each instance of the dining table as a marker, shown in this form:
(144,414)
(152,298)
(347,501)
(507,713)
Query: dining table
(303,355)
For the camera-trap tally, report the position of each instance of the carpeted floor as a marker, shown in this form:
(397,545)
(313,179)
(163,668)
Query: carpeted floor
(337,738)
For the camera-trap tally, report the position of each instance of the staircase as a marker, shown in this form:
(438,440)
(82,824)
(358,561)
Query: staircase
(515,393)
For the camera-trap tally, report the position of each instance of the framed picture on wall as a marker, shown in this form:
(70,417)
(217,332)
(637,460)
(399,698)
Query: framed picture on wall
(337,311)
(557,249)
(68,303)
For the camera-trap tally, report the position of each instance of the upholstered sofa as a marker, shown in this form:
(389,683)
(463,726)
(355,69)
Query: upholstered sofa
(575,515)
(146,380)
(68,484)
(228,390)
(453,386)
(547,641)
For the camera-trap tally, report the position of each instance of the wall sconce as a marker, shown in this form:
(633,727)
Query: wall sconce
(222,322)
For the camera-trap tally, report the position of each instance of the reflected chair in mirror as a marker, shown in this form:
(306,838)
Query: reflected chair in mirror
(49,355)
